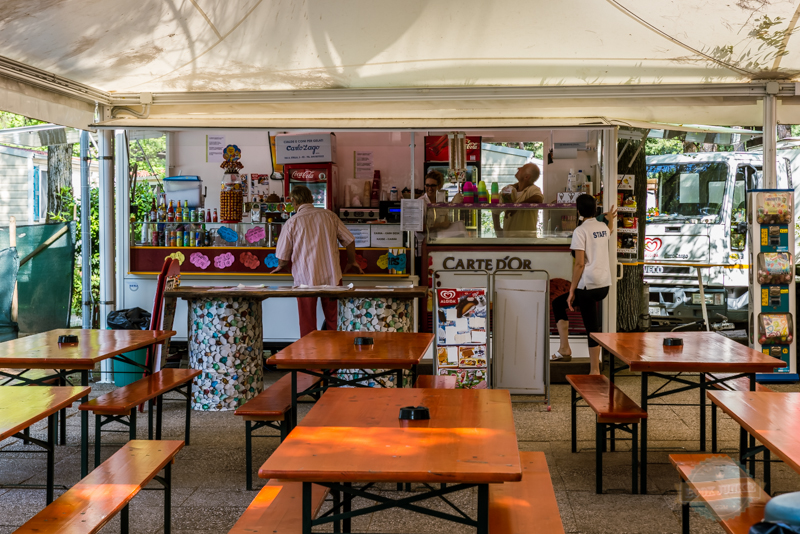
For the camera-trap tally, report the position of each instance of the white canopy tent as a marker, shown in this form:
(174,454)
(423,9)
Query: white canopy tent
(417,63)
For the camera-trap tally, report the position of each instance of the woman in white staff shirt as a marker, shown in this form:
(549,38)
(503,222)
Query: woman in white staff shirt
(591,278)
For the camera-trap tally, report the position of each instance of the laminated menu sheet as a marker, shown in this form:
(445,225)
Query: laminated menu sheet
(461,336)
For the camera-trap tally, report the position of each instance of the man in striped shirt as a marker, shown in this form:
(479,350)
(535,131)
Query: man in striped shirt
(309,239)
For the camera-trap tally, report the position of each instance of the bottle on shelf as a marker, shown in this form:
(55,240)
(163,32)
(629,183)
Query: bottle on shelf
(571,181)
(145,230)
(171,212)
(215,218)
(495,198)
(208,215)
(186,213)
(153,211)
(162,210)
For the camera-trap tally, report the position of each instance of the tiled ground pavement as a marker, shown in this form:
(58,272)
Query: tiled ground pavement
(208,476)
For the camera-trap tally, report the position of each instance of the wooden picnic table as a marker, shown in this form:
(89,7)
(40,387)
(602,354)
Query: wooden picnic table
(701,353)
(321,353)
(42,351)
(767,416)
(354,436)
(20,408)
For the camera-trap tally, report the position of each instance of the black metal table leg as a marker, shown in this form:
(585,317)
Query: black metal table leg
(643,470)
(63,429)
(685,518)
(84,429)
(600,438)
(132,427)
(347,506)
(159,415)
(714,445)
(767,473)
(248,453)
(702,412)
(483,509)
(337,525)
(98,437)
(400,378)
(51,446)
(307,508)
(753,457)
(124,519)
(187,431)
(742,446)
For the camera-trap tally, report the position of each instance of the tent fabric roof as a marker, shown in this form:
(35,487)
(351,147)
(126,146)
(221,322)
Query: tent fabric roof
(128,47)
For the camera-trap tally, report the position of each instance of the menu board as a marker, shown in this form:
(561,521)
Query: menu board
(461,336)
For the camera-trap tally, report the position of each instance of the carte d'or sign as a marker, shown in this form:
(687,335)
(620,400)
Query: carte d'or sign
(512,263)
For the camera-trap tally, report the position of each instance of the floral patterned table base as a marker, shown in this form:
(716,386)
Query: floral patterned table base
(226,344)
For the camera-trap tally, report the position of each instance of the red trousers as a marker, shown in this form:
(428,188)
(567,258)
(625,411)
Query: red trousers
(307,309)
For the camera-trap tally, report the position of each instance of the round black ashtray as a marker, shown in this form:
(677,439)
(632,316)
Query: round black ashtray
(67,339)
(364,341)
(673,342)
(414,413)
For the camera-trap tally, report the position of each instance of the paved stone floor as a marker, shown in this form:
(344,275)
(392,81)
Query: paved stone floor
(209,476)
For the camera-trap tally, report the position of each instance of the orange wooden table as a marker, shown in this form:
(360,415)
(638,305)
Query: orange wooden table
(701,353)
(768,416)
(354,436)
(20,408)
(322,352)
(42,351)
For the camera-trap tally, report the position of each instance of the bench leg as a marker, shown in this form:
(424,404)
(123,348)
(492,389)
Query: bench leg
(612,434)
(713,427)
(600,438)
(573,414)
(685,518)
(307,511)
(51,445)
(124,521)
(643,445)
(703,412)
(635,458)
(168,498)
(248,453)
(187,431)
(400,378)
(284,429)
(98,430)
(150,406)
(25,435)
(132,433)
(742,446)
(753,457)
(159,415)
(84,429)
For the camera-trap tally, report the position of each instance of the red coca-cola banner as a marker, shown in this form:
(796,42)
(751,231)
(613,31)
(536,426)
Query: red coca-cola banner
(308,175)
(436,148)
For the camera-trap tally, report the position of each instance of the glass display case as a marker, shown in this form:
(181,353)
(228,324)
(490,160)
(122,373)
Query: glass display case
(500,224)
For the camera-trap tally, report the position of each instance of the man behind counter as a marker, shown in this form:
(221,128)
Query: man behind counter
(524,192)
(309,239)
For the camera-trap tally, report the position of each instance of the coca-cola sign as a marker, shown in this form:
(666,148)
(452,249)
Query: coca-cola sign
(308,175)
(436,148)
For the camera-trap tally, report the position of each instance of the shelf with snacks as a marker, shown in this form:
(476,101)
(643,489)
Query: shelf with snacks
(634,231)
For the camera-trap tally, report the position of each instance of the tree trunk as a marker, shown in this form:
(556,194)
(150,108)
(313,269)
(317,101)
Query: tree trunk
(629,288)
(784,131)
(59,176)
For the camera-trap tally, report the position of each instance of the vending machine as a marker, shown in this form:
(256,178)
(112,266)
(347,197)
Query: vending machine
(772,279)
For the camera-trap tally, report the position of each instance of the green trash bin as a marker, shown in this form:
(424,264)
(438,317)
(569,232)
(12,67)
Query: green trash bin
(125,373)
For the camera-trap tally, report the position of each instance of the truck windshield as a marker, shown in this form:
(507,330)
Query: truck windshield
(686,192)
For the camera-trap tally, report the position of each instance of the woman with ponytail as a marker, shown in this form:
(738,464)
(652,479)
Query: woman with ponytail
(591,278)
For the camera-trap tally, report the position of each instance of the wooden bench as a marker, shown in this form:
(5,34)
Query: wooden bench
(736,521)
(277,509)
(614,411)
(91,503)
(113,406)
(737,384)
(436,382)
(35,377)
(271,408)
(514,507)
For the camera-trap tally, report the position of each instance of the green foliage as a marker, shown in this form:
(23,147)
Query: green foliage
(141,200)
(655,147)
(150,155)
(68,202)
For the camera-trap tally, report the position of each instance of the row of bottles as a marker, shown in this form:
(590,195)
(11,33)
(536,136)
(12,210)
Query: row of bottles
(176,235)
(178,213)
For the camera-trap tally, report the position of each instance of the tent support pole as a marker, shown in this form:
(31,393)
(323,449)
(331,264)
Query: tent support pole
(107,230)
(86,234)
(770,140)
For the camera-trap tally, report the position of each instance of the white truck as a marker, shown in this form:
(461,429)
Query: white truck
(697,207)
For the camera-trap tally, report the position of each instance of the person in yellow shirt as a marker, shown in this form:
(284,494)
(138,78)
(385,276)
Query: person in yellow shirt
(525,192)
